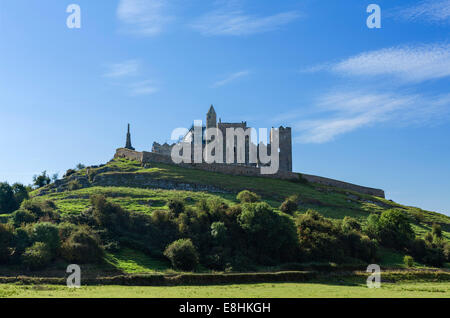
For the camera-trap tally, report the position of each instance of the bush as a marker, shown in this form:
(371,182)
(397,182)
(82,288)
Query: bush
(20,193)
(47,233)
(6,237)
(246,196)
(108,214)
(21,241)
(436,230)
(324,240)
(69,173)
(219,231)
(447,252)
(22,217)
(271,236)
(65,230)
(44,210)
(290,205)
(37,256)
(41,180)
(391,229)
(8,201)
(350,224)
(408,261)
(82,247)
(74,185)
(182,254)
(176,207)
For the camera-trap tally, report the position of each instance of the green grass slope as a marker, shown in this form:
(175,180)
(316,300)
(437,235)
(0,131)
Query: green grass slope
(133,195)
(331,202)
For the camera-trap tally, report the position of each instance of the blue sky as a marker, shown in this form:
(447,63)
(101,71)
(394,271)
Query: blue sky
(368,106)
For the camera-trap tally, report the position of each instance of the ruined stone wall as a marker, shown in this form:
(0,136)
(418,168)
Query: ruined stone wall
(164,149)
(343,185)
(149,157)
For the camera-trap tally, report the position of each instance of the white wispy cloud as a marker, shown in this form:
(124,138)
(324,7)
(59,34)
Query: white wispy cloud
(231,78)
(123,69)
(436,11)
(144,17)
(143,88)
(344,112)
(405,63)
(236,22)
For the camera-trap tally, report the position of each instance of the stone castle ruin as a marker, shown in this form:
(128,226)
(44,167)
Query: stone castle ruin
(236,156)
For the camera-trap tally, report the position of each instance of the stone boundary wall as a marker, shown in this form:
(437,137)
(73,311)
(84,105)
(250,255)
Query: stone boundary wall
(148,157)
(343,185)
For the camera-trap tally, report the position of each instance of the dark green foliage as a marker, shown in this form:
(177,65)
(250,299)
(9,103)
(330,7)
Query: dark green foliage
(41,180)
(8,201)
(21,217)
(272,237)
(290,205)
(69,173)
(436,230)
(350,224)
(41,210)
(21,241)
(81,247)
(391,229)
(80,166)
(47,233)
(175,207)
(182,254)
(20,193)
(108,214)
(74,185)
(408,261)
(65,230)
(447,252)
(38,256)
(246,196)
(321,239)
(6,237)
(219,232)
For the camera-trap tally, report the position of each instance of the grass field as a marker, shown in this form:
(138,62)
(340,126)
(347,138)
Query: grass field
(285,290)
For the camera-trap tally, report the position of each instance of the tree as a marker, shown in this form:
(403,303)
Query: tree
(246,196)
(350,224)
(81,247)
(176,207)
(290,205)
(47,233)
(394,229)
(183,254)
(8,201)
(271,236)
(20,193)
(80,166)
(41,180)
(55,176)
(37,256)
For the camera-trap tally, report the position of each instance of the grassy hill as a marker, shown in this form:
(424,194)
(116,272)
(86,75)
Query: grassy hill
(146,189)
(132,194)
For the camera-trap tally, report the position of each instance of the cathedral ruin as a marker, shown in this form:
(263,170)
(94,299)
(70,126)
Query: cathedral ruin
(247,160)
